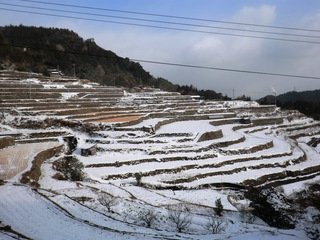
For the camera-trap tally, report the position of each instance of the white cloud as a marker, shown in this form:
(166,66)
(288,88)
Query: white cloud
(264,15)
(312,21)
(222,52)
(212,50)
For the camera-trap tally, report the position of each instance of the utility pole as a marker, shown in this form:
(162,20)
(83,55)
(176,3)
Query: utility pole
(58,70)
(74,70)
(29,85)
(29,90)
(233,96)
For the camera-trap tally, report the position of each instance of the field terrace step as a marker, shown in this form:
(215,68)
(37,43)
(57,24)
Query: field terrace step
(41,135)
(5,74)
(185,166)
(304,170)
(26,95)
(96,113)
(170,116)
(28,89)
(13,86)
(167,138)
(256,154)
(313,129)
(238,171)
(236,166)
(64,107)
(67,109)
(114,118)
(178,148)
(262,155)
(254,109)
(91,109)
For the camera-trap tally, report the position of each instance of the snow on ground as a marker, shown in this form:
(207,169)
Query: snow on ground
(67,219)
(63,209)
(31,80)
(87,85)
(56,86)
(297,187)
(187,126)
(68,95)
(20,202)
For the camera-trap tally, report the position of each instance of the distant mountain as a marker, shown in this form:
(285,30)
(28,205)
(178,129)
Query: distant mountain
(309,96)
(307,102)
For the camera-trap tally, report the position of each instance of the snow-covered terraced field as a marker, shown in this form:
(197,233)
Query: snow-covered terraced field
(188,152)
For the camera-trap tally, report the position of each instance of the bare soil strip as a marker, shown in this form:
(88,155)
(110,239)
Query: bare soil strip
(121,119)
(15,159)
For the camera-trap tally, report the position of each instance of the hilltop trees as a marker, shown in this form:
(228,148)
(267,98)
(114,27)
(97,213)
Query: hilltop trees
(206,94)
(33,48)
(39,49)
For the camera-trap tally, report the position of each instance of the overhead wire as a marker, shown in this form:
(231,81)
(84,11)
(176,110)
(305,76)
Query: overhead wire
(169,28)
(163,27)
(160,21)
(170,63)
(172,16)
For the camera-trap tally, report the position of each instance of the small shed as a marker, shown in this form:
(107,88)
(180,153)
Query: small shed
(91,151)
(148,129)
(72,143)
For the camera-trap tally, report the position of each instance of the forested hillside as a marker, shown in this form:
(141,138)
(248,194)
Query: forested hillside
(40,49)
(307,102)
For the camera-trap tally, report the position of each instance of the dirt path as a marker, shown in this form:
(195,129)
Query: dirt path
(120,119)
(15,159)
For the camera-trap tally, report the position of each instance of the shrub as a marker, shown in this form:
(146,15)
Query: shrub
(59,176)
(218,207)
(138,177)
(70,167)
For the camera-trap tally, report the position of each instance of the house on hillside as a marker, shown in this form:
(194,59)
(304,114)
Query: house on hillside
(55,73)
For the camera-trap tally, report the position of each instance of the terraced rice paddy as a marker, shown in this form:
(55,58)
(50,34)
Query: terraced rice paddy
(184,148)
(173,140)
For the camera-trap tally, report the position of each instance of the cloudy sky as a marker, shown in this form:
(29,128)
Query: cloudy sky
(217,44)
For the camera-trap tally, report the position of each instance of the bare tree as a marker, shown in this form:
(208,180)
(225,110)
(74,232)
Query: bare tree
(216,225)
(180,217)
(148,216)
(107,200)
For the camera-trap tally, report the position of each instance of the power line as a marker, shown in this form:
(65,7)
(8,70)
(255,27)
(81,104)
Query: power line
(158,21)
(227,69)
(170,63)
(175,17)
(162,27)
